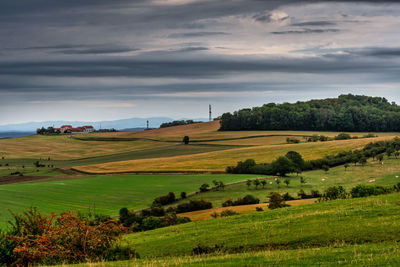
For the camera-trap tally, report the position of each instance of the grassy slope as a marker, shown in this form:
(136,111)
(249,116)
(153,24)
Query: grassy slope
(381,174)
(382,254)
(218,160)
(354,221)
(107,193)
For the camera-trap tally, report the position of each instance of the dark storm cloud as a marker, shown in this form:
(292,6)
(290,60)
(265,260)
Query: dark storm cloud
(190,68)
(307,31)
(79,49)
(314,23)
(382,52)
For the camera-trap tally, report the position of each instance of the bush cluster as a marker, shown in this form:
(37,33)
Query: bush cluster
(194,205)
(165,199)
(34,239)
(151,218)
(247,200)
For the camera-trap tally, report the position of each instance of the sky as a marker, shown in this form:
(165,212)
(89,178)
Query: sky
(99,60)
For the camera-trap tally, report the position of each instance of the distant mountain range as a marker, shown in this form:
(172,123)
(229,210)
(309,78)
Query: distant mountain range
(132,123)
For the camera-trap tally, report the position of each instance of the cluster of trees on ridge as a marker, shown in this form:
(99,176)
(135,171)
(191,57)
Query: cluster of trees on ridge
(293,161)
(346,113)
(176,123)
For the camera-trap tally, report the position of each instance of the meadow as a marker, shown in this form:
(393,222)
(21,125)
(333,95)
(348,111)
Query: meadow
(101,194)
(335,223)
(372,173)
(381,254)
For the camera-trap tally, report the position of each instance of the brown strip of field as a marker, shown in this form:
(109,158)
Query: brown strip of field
(206,214)
(32,179)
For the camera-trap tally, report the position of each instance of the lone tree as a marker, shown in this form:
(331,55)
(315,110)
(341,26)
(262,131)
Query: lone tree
(186,140)
(276,201)
(263,182)
(277,181)
(256,182)
(287,182)
(204,187)
(248,182)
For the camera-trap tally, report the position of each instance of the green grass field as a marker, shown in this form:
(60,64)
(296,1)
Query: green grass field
(107,194)
(381,254)
(335,223)
(372,173)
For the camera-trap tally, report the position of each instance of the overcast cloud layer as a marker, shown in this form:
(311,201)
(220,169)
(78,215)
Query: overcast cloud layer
(103,60)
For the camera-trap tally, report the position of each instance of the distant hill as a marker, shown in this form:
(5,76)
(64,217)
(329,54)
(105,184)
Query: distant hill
(350,113)
(132,123)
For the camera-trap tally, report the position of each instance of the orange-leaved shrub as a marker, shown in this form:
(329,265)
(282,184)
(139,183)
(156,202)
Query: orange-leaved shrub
(64,238)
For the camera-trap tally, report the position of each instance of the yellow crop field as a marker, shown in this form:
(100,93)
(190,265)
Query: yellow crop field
(219,160)
(63,147)
(208,132)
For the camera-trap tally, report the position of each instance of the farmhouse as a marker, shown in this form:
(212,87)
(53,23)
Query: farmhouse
(80,129)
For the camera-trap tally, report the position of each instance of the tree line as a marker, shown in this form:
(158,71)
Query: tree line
(346,113)
(293,162)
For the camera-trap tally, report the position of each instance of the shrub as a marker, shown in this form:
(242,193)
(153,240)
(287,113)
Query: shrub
(185,140)
(194,205)
(259,209)
(342,136)
(367,190)
(204,187)
(151,222)
(276,201)
(227,203)
(6,249)
(165,199)
(63,238)
(291,140)
(334,192)
(287,197)
(227,213)
(247,200)
(183,195)
(201,249)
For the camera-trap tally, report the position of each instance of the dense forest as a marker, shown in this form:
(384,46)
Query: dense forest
(346,113)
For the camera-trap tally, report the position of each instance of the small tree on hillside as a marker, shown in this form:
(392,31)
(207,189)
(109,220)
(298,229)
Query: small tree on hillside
(248,182)
(380,157)
(287,182)
(186,140)
(276,201)
(263,182)
(256,183)
(363,160)
(204,187)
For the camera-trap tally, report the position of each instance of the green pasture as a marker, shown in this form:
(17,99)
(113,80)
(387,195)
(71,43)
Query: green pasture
(334,223)
(379,254)
(107,194)
(372,173)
